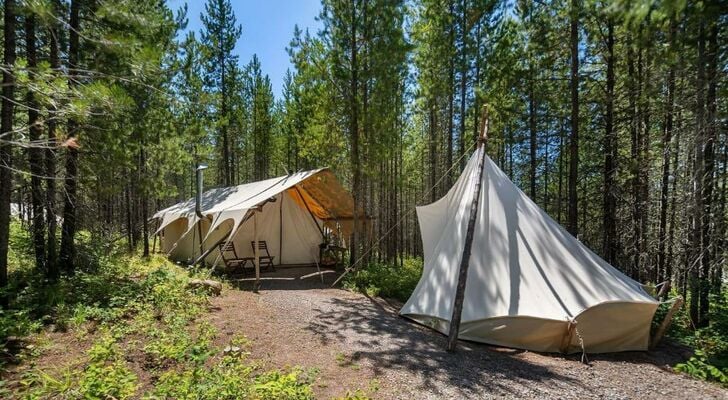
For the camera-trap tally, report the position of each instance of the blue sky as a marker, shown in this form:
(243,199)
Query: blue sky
(267,30)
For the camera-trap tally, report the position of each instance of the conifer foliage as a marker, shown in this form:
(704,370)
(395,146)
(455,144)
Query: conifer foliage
(610,115)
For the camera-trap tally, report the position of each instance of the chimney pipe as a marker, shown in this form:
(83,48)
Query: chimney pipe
(198,197)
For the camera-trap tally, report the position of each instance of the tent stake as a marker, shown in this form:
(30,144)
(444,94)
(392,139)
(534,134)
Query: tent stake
(457,309)
(660,332)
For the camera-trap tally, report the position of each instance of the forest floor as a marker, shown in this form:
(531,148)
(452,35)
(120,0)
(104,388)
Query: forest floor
(351,341)
(361,342)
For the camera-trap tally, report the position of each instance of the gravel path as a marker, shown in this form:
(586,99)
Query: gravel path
(358,342)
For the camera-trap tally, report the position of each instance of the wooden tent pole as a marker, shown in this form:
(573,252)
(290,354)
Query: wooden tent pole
(457,309)
(313,217)
(280,229)
(256,286)
(660,332)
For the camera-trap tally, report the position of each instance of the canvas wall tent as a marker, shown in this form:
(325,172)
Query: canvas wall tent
(291,213)
(530,284)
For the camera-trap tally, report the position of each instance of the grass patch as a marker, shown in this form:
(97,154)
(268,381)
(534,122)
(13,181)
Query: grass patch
(147,340)
(385,280)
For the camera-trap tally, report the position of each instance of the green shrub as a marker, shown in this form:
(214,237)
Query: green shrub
(232,377)
(386,280)
(699,367)
(107,374)
(281,385)
(710,361)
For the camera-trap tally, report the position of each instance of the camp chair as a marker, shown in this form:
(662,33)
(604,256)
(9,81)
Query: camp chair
(266,260)
(234,262)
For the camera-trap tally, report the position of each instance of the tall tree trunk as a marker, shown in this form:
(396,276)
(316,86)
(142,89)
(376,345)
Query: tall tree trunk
(476,80)
(223,120)
(68,230)
(721,245)
(532,138)
(144,201)
(666,156)
(710,132)
(35,154)
(6,127)
(129,219)
(643,162)
(354,131)
(463,75)
(433,150)
(610,156)
(560,197)
(447,182)
(673,211)
(634,88)
(572,218)
(696,226)
(50,160)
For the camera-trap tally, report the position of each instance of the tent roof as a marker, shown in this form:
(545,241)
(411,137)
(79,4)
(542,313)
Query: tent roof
(319,188)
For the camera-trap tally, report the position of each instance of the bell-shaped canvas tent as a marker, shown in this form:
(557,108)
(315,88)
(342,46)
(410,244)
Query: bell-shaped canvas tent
(291,213)
(530,284)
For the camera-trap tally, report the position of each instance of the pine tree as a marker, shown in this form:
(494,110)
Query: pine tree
(220,32)
(6,128)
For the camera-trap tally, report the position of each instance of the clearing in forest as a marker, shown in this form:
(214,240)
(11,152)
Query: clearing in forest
(334,342)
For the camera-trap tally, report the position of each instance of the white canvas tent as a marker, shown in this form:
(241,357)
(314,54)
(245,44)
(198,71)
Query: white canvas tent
(291,213)
(530,284)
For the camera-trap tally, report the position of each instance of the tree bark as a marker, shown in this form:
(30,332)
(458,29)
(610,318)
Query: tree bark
(532,138)
(696,228)
(68,230)
(354,132)
(50,161)
(572,218)
(666,156)
(610,155)
(463,75)
(6,127)
(710,131)
(433,150)
(145,202)
(35,154)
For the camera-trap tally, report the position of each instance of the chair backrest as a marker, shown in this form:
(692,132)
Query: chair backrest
(227,247)
(262,245)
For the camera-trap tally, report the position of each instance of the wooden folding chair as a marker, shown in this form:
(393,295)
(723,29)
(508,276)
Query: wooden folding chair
(235,262)
(264,257)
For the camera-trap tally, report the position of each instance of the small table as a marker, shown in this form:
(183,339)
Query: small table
(336,254)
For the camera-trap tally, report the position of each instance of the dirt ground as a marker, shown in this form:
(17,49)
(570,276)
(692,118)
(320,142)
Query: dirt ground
(352,341)
(361,342)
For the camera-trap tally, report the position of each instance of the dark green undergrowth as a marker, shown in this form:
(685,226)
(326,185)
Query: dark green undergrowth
(390,281)
(145,337)
(710,343)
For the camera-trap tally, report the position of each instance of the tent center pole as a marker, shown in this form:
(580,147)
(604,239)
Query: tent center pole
(457,309)
(256,285)
(280,229)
